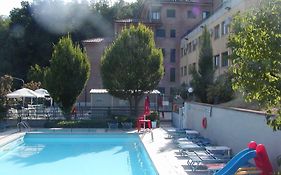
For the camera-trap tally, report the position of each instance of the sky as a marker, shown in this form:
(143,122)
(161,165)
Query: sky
(7,5)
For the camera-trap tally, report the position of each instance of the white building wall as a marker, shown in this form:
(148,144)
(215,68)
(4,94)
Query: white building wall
(233,127)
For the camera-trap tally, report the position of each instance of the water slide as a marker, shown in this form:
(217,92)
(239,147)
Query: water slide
(254,151)
(237,161)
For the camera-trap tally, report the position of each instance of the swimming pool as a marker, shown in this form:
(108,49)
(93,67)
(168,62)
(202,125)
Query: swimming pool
(73,154)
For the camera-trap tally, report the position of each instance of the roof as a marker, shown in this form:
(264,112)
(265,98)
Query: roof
(128,20)
(104,91)
(97,40)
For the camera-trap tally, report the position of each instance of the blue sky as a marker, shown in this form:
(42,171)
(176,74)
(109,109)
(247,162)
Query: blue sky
(7,5)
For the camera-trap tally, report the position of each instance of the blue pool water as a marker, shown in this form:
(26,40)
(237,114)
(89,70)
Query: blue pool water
(76,154)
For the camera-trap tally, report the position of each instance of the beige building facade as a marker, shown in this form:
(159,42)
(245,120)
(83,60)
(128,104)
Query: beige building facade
(218,24)
(177,27)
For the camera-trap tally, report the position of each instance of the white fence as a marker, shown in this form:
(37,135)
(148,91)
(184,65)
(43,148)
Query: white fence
(231,127)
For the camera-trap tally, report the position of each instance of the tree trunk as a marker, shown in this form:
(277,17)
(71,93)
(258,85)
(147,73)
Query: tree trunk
(137,100)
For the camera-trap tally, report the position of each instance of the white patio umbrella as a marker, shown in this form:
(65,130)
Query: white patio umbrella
(24,93)
(43,92)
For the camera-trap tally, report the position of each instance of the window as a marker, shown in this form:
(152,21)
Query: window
(172,91)
(205,14)
(172,74)
(181,71)
(171,13)
(194,44)
(199,40)
(161,90)
(173,33)
(216,61)
(224,28)
(163,52)
(224,59)
(217,31)
(189,47)
(190,14)
(182,54)
(185,70)
(156,15)
(191,68)
(173,55)
(160,33)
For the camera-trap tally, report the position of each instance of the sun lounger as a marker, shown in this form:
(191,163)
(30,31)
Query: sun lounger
(175,133)
(202,160)
(248,170)
(190,146)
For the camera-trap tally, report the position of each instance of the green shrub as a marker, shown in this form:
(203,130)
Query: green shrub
(98,123)
(153,116)
(221,91)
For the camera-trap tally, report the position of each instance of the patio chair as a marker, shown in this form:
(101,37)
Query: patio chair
(127,125)
(112,125)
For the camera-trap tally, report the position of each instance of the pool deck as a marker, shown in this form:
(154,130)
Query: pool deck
(162,151)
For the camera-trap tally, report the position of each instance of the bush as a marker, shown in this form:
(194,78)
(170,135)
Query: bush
(221,91)
(153,116)
(77,124)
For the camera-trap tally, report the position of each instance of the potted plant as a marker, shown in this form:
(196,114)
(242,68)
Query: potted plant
(153,117)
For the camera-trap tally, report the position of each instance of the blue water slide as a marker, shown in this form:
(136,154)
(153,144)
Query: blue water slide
(237,161)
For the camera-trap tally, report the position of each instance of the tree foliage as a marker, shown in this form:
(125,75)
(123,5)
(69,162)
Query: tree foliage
(221,90)
(30,31)
(202,78)
(132,65)
(6,82)
(36,74)
(32,85)
(68,73)
(255,42)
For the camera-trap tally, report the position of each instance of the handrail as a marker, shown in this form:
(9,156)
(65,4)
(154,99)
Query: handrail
(24,124)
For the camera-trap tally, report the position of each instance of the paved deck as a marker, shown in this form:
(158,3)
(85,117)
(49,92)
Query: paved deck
(162,151)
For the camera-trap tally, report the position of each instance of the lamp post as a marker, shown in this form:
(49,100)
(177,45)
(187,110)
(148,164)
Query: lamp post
(19,79)
(190,91)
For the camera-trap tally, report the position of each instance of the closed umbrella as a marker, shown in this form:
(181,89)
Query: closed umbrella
(147,106)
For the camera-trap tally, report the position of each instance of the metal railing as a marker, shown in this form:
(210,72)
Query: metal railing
(24,124)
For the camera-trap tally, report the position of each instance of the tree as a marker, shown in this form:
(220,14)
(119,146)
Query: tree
(5,65)
(132,65)
(67,75)
(6,82)
(256,57)
(221,91)
(37,74)
(203,78)
(32,85)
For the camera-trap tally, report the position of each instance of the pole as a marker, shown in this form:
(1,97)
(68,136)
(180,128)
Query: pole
(19,79)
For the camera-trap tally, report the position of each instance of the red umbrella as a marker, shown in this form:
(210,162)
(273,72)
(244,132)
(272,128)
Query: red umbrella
(142,120)
(146,106)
